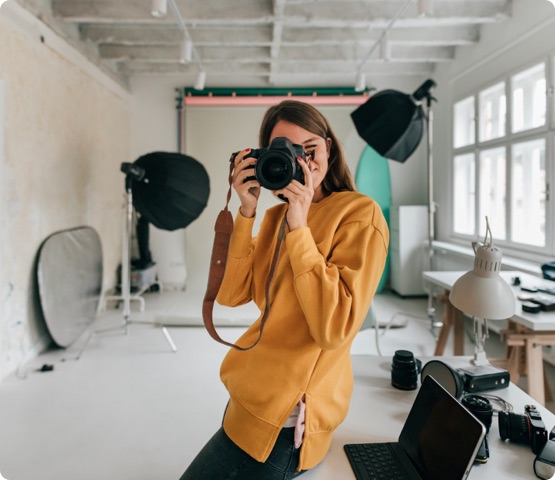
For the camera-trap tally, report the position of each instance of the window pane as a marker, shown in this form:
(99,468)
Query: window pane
(528,214)
(463,123)
(492,112)
(529,98)
(493,191)
(464,194)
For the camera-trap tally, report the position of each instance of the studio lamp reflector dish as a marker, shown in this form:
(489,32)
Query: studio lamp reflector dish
(174,190)
(391,123)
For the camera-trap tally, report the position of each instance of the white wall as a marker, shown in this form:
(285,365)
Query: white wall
(66,129)
(211,135)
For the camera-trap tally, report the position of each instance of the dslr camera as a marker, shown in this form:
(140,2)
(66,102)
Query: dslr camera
(277,165)
(528,428)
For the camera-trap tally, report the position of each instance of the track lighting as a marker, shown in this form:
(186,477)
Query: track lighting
(159,8)
(201,80)
(385,49)
(360,82)
(425,8)
(186,50)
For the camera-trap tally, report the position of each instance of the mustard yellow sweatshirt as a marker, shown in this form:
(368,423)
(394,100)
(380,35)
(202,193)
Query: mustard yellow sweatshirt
(324,282)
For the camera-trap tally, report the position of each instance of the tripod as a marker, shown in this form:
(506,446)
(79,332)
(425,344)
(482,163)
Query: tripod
(132,173)
(136,173)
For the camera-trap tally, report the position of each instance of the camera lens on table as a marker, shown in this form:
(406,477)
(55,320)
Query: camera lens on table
(404,370)
(482,409)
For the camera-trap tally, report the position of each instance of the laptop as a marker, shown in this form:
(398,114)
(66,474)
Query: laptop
(439,441)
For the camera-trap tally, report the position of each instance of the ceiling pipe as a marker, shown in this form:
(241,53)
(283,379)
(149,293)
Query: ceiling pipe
(396,17)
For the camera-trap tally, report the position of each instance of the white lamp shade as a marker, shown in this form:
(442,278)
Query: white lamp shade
(490,298)
(482,292)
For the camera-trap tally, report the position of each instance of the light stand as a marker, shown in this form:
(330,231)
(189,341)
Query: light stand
(425,92)
(132,173)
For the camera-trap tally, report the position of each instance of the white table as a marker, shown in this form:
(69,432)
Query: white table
(378,412)
(525,334)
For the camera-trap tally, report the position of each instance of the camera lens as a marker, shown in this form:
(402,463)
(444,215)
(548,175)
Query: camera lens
(273,172)
(514,427)
(480,407)
(404,371)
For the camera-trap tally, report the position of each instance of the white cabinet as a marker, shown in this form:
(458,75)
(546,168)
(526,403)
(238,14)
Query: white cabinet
(408,225)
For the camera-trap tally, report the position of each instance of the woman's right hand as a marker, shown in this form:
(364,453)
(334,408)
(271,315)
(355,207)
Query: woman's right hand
(248,191)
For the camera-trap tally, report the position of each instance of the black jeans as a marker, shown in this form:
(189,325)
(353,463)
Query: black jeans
(221,459)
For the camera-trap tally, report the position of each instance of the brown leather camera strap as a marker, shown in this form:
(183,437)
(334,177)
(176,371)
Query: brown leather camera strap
(223,230)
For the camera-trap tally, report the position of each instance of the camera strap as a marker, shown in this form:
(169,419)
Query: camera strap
(223,230)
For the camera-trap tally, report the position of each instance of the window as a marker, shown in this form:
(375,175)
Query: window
(463,192)
(529,99)
(528,209)
(499,163)
(492,112)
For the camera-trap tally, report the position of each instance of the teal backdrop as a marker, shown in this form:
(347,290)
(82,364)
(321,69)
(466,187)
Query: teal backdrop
(373,179)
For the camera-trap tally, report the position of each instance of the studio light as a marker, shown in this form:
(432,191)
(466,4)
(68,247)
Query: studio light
(186,54)
(159,8)
(201,80)
(425,8)
(360,82)
(385,49)
(483,294)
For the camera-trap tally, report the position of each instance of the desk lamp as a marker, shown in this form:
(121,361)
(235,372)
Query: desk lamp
(483,294)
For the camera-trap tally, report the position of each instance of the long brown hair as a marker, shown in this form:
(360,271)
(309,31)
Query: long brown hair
(338,177)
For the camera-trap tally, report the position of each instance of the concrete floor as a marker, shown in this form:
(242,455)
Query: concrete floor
(130,409)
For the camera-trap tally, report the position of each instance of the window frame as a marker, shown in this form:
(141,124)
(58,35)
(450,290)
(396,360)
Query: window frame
(546,131)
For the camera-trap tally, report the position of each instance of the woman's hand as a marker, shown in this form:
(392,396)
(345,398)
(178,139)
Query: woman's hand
(299,197)
(248,191)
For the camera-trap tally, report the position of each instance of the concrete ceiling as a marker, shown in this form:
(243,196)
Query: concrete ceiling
(274,43)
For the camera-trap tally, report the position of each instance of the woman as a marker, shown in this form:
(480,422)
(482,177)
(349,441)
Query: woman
(289,393)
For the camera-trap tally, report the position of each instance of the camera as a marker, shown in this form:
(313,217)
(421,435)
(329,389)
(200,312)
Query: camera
(528,428)
(277,165)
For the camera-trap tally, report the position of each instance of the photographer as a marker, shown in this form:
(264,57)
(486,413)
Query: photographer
(290,392)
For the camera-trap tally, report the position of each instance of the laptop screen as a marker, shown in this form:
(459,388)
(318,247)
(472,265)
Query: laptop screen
(440,436)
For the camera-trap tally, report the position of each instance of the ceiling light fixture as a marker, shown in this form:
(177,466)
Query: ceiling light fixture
(425,8)
(159,8)
(188,45)
(552,2)
(360,82)
(380,39)
(186,50)
(385,49)
(201,80)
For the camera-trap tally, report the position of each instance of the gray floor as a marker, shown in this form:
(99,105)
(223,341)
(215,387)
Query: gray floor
(130,409)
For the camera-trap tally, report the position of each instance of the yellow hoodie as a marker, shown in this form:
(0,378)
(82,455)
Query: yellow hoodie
(324,281)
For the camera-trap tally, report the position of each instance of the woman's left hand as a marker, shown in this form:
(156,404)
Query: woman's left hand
(299,197)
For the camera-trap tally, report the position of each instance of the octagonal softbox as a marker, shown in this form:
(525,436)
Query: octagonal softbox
(174,190)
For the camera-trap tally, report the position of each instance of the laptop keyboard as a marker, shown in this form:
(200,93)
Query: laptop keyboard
(374,461)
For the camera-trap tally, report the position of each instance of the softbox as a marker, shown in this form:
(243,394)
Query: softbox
(173,192)
(392,123)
